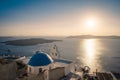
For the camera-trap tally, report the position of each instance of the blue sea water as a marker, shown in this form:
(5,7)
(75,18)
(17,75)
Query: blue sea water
(100,54)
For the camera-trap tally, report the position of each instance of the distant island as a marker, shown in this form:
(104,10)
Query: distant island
(28,42)
(92,37)
(4,37)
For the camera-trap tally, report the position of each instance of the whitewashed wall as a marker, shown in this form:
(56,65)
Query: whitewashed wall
(35,70)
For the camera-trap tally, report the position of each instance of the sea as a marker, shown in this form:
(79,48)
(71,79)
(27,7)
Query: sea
(98,54)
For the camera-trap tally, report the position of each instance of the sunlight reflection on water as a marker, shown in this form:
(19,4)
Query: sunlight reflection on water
(91,55)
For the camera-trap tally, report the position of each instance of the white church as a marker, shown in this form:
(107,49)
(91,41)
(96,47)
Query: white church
(41,61)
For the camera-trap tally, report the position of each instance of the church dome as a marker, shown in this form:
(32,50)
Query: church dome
(40,59)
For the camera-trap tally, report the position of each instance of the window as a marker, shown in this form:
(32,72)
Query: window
(40,70)
(29,69)
(55,54)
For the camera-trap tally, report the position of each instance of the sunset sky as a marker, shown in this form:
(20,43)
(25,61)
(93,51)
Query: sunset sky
(59,17)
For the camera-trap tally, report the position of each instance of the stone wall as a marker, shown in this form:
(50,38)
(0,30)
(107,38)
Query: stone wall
(57,73)
(8,71)
(40,76)
(53,74)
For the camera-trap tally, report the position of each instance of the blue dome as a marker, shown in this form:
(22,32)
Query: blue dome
(40,59)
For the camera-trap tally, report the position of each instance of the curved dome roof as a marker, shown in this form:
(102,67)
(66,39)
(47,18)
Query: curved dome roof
(40,59)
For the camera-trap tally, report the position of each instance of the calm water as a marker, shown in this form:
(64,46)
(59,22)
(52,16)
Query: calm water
(103,55)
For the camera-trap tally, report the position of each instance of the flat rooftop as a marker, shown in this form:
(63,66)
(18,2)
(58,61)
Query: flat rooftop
(104,76)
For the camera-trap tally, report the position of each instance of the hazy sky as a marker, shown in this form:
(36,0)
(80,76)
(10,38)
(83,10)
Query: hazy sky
(59,17)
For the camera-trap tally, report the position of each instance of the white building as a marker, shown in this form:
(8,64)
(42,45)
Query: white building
(43,62)
(39,62)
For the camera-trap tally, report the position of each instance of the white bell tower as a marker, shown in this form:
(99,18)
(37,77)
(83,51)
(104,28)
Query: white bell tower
(54,53)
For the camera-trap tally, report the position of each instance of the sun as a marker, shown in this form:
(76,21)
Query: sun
(90,23)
